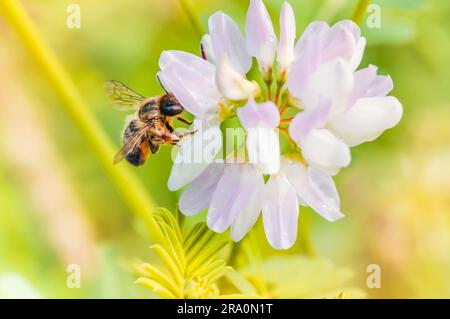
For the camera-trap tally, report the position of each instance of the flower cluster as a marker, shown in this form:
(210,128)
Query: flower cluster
(309,90)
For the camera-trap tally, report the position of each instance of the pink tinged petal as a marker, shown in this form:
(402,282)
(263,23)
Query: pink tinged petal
(263,147)
(332,81)
(227,40)
(285,51)
(197,196)
(202,87)
(338,43)
(306,121)
(323,149)
(206,49)
(280,212)
(311,38)
(261,38)
(191,80)
(263,115)
(233,192)
(315,189)
(195,153)
(367,119)
(360,42)
(356,59)
(170,81)
(307,57)
(350,26)
(232,84)
(299,75)
(369,84)
(250,213)
(189,60)
(196,73)
(320,44)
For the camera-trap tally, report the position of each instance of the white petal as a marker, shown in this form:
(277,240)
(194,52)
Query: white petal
(232,194)
(324,150)
(367,119)
(332,81)
(195,153)
(280,212)
(261,38)
(301,70)
(311,37)
(360,42)
(249,214)
(232,84)
(197,196)
(189,60)
(263,114)
(338,43)
(170,82)
(191,80)
(285,51)
(306,121)
(202,88)
(308,52)
(263,149)
(320,44)
(350,26)
(227,40)
(207,49)
(315,188)
(369,84)
(355,61)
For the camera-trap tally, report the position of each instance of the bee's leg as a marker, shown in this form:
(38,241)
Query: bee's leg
(168,138)
(169,127)
(181,135)
(154,146)
(182,120)
(188,133)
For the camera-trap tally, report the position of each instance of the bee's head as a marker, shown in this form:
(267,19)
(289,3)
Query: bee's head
(170,106)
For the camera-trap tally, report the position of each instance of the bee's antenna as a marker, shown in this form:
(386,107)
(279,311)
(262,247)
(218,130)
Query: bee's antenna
(160,84)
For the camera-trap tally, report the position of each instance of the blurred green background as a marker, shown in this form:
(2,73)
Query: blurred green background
(58,207)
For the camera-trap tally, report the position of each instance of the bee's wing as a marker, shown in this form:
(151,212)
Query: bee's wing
(130,145)
(154,147)
(122,96)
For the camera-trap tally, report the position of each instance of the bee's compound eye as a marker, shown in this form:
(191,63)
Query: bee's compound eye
(170,107)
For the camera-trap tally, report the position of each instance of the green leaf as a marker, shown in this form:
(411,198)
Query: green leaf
(192,262)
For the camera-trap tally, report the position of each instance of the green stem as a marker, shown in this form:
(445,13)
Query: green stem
(130,188)
(234,253)
(192,17)
(360,11)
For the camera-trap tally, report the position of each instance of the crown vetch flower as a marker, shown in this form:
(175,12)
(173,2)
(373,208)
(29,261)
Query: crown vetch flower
(327,129)
(335,107)
(231,192)
(261,38)
(285,50)
(261,122)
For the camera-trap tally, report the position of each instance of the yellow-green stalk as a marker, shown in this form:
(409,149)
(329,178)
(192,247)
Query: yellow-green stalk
(129,186)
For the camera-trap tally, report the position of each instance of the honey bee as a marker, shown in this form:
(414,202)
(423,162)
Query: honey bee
(149,127)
